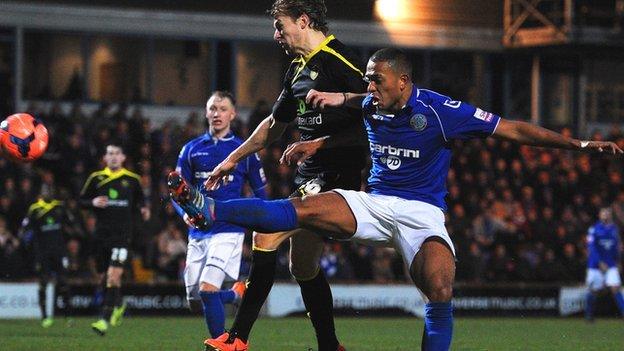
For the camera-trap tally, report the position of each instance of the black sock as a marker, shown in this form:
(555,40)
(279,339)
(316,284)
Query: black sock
(109,302)
(42,300)
(63,291)
(117,298)
(260,281)
(319,302)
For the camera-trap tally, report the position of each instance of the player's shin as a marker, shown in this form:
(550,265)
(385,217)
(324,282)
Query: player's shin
(64,292)
(110,296)
(619,299)
(438,326)
(42,299)
(260,215)
(260,281)
(318,301)
(214,312)
(590,298)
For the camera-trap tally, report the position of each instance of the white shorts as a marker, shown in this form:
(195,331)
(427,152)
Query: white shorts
(211,260)
(392,221)
(597,279)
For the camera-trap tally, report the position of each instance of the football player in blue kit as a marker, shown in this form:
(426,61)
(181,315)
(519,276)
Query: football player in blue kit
(214,254)
(409,131)
(604,248)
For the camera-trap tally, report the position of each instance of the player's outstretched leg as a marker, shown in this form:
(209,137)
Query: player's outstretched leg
(198,208)
(260,215)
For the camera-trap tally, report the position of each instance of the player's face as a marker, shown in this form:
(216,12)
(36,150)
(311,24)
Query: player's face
(385,85)
(114,157)
(605,215)
(289,34)
(220,112)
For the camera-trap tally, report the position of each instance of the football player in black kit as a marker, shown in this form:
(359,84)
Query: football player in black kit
(115,196)
(334,155)
(44,226)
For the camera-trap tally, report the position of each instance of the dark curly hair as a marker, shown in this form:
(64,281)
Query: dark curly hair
(315,9)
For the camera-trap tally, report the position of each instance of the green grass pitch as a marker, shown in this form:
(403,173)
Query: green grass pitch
(357,334)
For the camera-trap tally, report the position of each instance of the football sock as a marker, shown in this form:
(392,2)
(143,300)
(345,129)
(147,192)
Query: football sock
(259,283)
(619,299)
(109,301)
(117,297)
(589,305)
(227,296)
(438,326)
(42,300)
(318,300)
(214,313)
(259,215)
(63,289)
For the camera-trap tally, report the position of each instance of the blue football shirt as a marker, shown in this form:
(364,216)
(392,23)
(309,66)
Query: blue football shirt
(603,245)
(410,151)
(200,156)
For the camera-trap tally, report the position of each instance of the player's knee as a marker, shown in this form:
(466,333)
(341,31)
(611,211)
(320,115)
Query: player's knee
(266,241)
(307,212)
(440,292)
(113,280)
(303,270)
(203,286)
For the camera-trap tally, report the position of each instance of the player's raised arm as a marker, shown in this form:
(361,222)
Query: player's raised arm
(530,134)
(321,99)
(301,150)
(266,133)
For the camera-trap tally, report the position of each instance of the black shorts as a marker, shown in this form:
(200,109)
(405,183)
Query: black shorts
(48,262)
(111,255)
(345,179)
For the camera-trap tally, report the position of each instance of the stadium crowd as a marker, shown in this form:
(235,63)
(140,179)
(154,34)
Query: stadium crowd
(515,213)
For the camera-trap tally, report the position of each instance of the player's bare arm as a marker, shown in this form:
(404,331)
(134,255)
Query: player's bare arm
(321,99)
(268,131)
(530,134)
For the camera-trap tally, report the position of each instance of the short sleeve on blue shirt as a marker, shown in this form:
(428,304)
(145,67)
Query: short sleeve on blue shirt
(461,120)
(183,165)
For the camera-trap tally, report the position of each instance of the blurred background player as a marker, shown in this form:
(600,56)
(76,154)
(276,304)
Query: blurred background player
(115,196)
(321,61)
(45,226)
(604,248)
(214,255)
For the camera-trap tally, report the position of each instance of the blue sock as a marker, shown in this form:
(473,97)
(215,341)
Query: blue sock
(619,299)
(213,312)
(438,326)
(589,305)
(227,296)
(260,215)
